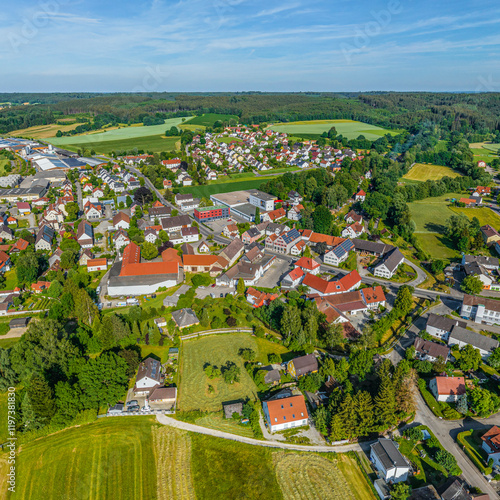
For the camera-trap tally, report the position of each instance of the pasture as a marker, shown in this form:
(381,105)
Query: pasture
(215,350)
(424,172)
(348,128)
(111,458)
(208,119)
(484,214)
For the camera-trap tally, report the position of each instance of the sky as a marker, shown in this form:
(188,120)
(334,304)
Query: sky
(245,45)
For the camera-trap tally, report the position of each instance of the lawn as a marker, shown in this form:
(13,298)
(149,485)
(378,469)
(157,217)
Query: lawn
(484,214)
(348,128)
(111,458)
(430,216)
(206,191)
(160,352)
(228,140)
(218,421)
(10,280)
(117,135)
(216,350)
(208,119)
(425,172)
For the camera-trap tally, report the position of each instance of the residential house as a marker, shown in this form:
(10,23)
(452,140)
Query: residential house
(274,215)
(441,327)
(159,212)
(233,251)
(23,207)
(96,265)
(85,257)
(490,263)
(353,217)
(389,461)
(150,235)
(447,389)
(92,211)
(184,318)
(285,412)
(203,247)
(389,264)
(284,242)
(176,223)
(302,365)
(481,191)
(248,237)
(160,322)
(294,212)
(5,263)
(120,239)
(40,286)
(293,279)
(185,235)
(148,377)
(259,299)
(321,287)
(164,395)
(353,231)
(456,489)
(491,444)
(462,337)
(97,193)
(480,272)
(365,247)
(480,309)
(85,234)
(44,238)
(121,221)
(212,264)
(231,231)
(360,196)
(186,202)
(12,221)
(339,253)
(430,351)
(490,235)
(250,273)
(20,245)
(308,265)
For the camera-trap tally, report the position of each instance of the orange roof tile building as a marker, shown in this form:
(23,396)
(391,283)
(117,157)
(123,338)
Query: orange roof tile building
(285,413)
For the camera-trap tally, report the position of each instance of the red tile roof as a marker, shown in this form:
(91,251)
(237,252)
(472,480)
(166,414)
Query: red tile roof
(286,410)
(131,255)
(20,245)
(96,262)
(374,295)
(171,255)
(492,438)
(307,263)
(450,385)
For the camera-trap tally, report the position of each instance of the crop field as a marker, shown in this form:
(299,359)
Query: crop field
(216,350)
(209,189)
(348,128)
(172,449)
(314,476)
(425,172)
(43,131)
(119,134)
(208,119)
(111,458)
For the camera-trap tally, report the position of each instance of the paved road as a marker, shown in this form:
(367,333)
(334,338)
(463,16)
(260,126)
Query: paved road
(79,196)
(165,420)
(446,431)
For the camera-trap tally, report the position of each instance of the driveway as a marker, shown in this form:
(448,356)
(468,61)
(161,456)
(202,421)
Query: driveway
(421,276)
(274,274)
(201,293)
(171,300)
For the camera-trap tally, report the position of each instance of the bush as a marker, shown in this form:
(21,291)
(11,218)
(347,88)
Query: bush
(446,460)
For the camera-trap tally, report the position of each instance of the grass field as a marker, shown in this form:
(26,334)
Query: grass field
(430,216)
(173,460)
(206,191)
(219,422)
(425,172)
(348,128)
(216,350)
(484,214)
(208,119)
(111,458)
(3,417)
(43,131)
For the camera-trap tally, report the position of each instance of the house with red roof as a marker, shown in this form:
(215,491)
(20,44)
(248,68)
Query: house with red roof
(5,263)
(285,412)
(360,196)
(308,265)
(491,444)
(40,286)
(447,389)
(293,278)
(321,287)
(259,299)
(19,245)
(23,207)
(96,265)
(353,231)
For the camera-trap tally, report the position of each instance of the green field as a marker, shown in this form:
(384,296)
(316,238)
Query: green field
(348,128)
(137,458)
(430,216)
(425,172)
(208,119)
(3,416)
(111,458)
(3,164)
(226,187)
(216,350)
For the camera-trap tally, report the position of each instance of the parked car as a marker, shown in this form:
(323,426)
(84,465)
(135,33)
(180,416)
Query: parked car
(132,409)
(133,402)
(221,295)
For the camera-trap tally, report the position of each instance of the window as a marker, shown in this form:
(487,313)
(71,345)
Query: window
(293,416)
(291,404)
(301,414)
(284,417)
(281,406)
(275,419)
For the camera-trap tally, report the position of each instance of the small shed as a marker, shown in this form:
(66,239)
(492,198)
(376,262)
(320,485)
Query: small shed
(19,322)
(173,352)
(231,408)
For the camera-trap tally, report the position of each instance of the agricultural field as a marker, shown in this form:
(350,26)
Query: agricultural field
(226,187)
(173,461)
(3,416)
(424,172)
(348,128)
(208,119)
(216,350)
(43,131)
(111,458)
(484,214)
(484,151)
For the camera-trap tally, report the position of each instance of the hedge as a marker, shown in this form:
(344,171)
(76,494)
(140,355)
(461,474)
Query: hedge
(472,453)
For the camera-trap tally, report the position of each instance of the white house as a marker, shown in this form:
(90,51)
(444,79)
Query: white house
(462,337)
(148,377)
(285,412)
(491,444)
(389,264)
(447,389)
(338,254)
(389,461)
(441,327)
(353,231)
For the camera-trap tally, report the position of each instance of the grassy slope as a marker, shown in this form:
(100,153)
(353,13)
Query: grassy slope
(216,350)
(3,164)
(347,128)
(208,119)
(112,458)
(424,172)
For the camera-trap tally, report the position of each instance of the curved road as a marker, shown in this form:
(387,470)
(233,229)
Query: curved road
(178,424)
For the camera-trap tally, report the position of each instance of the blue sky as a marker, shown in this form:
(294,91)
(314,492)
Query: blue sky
(235,45)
